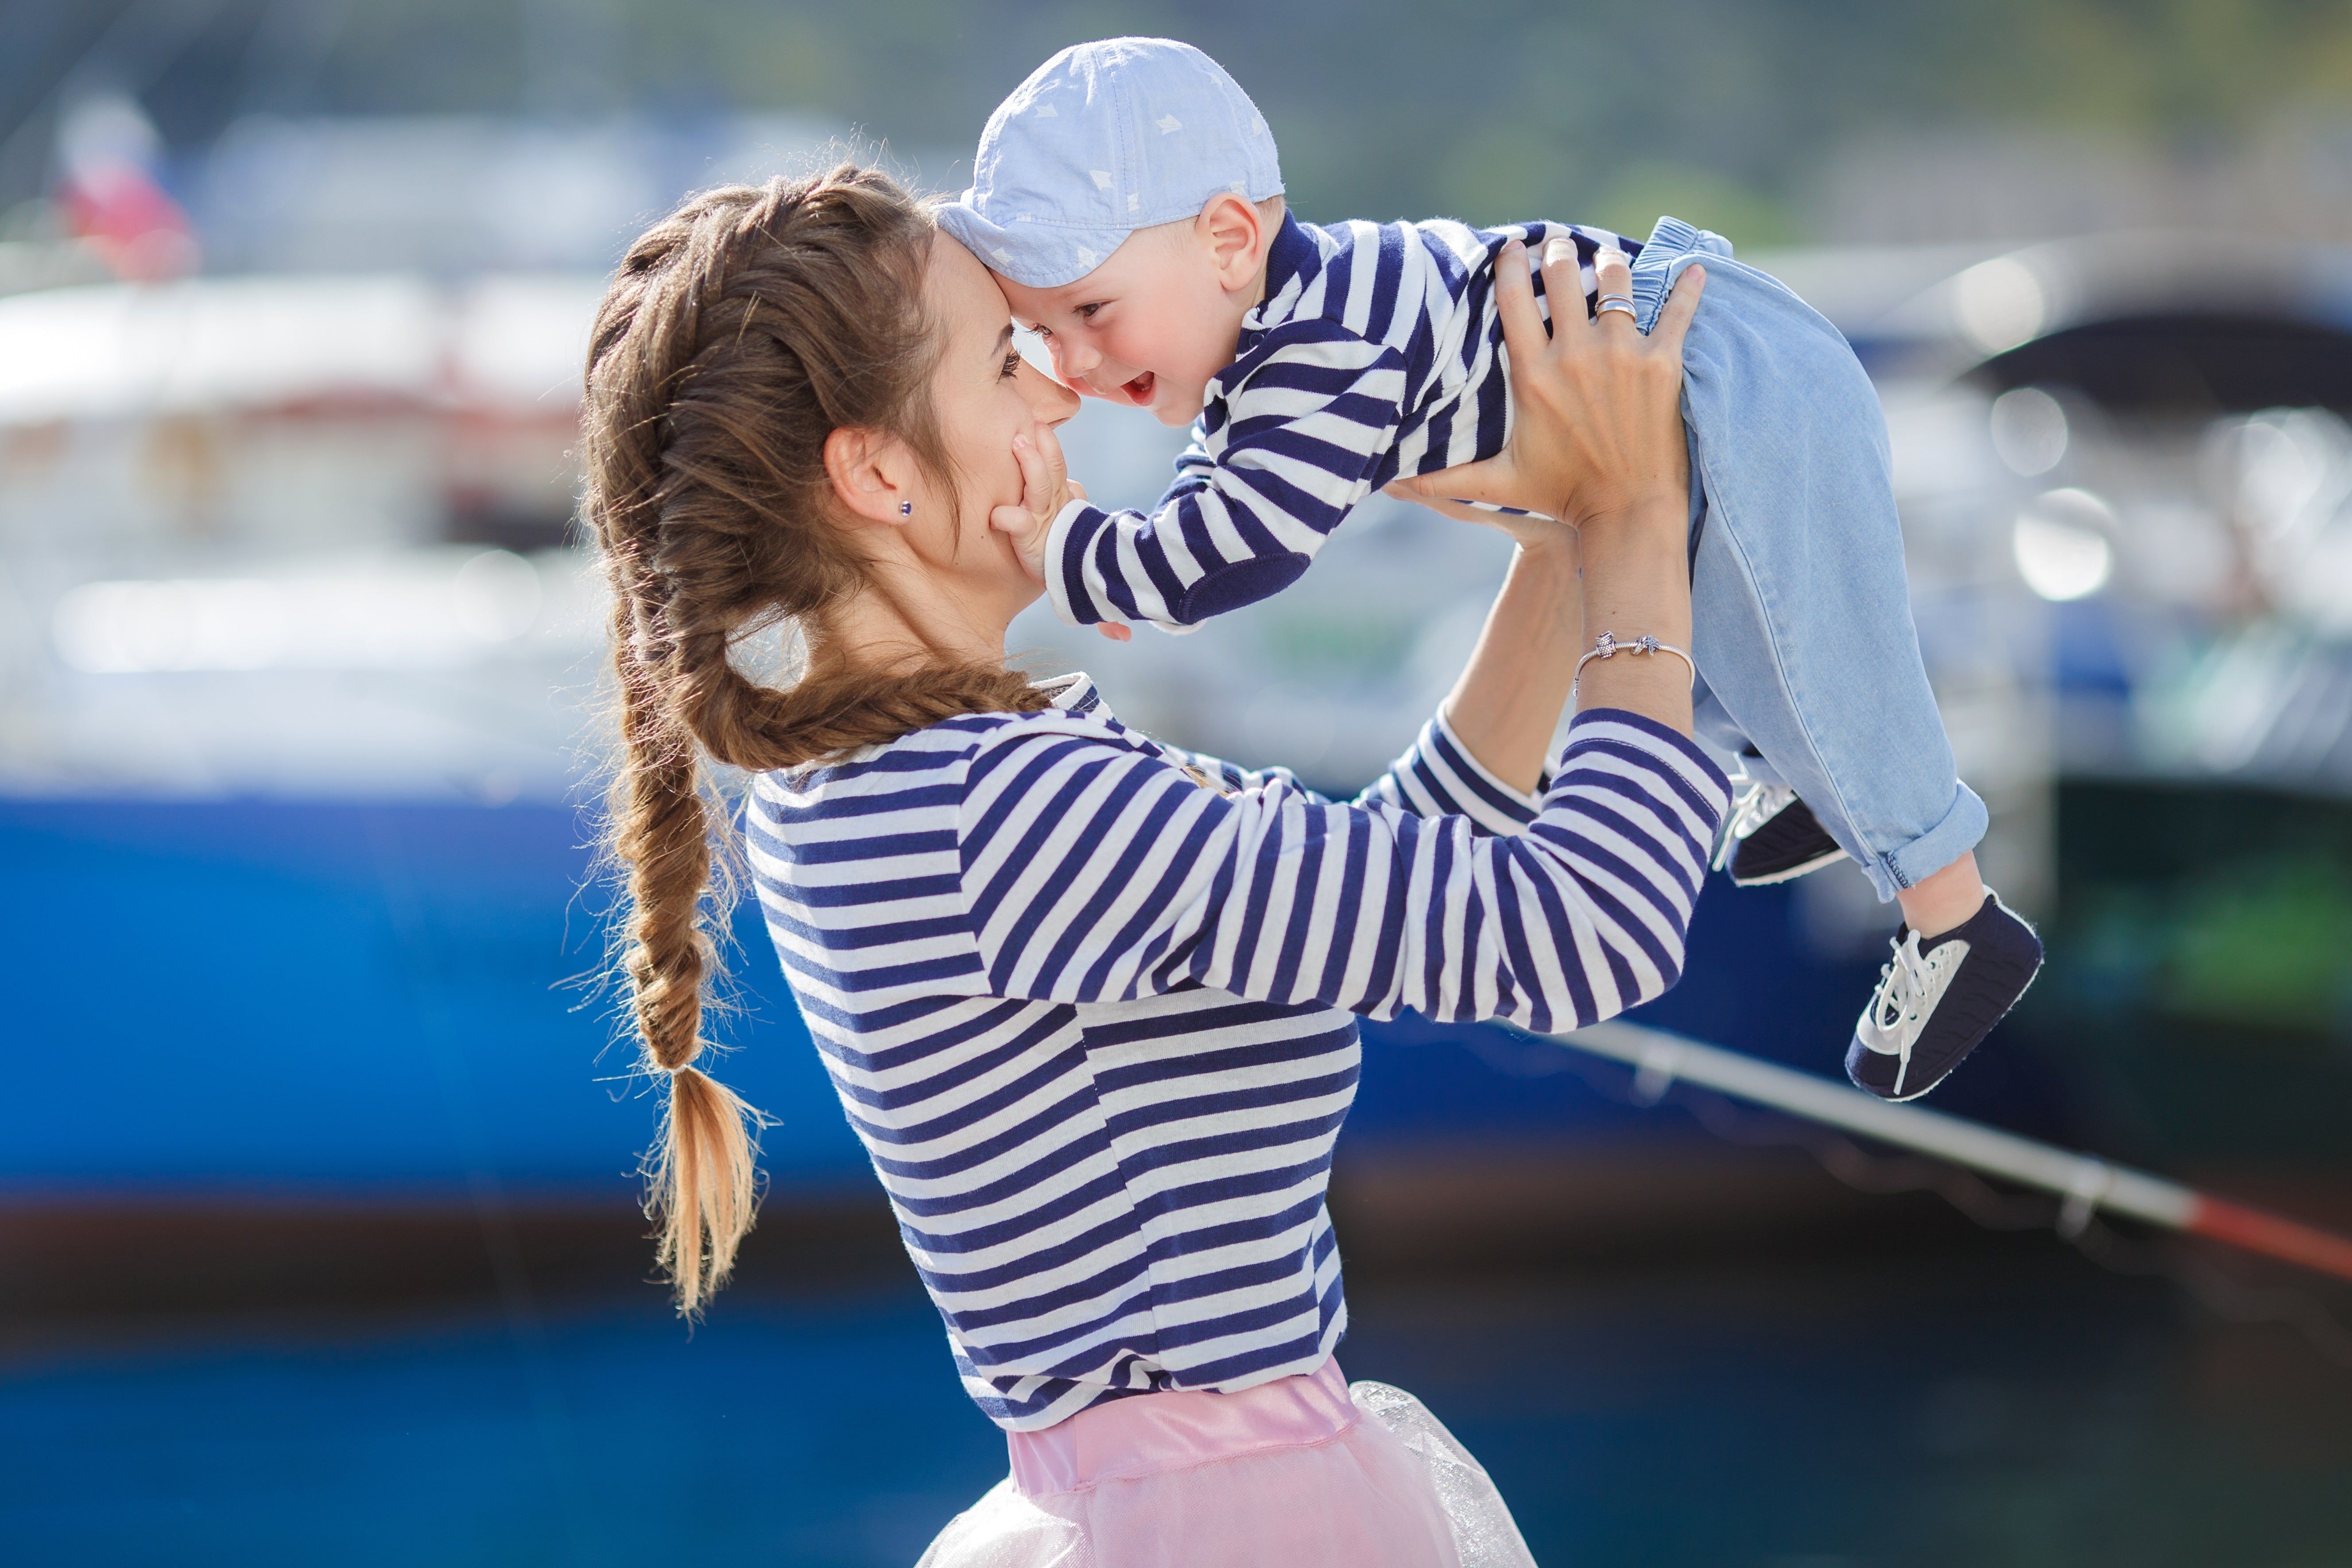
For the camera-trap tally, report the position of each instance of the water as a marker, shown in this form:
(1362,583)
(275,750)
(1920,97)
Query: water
(2001,1401)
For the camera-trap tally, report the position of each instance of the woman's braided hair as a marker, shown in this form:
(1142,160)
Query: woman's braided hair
(739,333)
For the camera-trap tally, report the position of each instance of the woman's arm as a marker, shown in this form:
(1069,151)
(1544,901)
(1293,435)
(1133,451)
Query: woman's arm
(1438,776)
(1506,707)
(1597,441)
(1094,870)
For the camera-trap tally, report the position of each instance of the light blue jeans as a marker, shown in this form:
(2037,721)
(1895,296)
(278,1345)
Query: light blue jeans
(1807,662)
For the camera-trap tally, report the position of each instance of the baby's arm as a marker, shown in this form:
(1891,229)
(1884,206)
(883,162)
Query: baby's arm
(1308,416)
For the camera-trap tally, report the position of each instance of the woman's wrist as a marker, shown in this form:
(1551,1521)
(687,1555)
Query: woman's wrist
(1656,686)
(1508,701)
(1637,585)
(1655,507)
(1637,566)
(1556,562)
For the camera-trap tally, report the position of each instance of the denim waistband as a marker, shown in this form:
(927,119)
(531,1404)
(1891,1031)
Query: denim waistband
(1671,243)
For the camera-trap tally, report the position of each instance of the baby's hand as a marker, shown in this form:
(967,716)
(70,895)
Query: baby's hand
(1045,489)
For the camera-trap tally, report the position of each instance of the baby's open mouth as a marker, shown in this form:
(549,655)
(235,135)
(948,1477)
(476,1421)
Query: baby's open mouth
(1141,389)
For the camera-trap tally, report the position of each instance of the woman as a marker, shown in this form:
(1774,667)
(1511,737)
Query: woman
(1088,1000)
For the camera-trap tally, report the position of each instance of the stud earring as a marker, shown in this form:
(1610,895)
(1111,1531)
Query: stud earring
(906,509)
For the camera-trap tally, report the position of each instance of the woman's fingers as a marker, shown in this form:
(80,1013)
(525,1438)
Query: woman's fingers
(1563,273)
(1494,480)
(1524,527)
(1612,274)
(1442,481)
(1515,301)
(1673,322)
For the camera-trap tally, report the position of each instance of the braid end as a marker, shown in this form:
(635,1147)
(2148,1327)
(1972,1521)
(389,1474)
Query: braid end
(704,1184)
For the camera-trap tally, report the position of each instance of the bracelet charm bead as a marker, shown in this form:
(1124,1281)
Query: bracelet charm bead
(1608,646)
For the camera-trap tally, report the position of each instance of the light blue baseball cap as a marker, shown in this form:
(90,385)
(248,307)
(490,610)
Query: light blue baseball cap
(1102,139)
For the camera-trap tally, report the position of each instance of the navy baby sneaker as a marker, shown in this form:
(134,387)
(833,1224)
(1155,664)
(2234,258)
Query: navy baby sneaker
(1774,836)
(1936,1000)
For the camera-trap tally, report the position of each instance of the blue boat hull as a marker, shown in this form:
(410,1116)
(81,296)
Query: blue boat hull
(256,995)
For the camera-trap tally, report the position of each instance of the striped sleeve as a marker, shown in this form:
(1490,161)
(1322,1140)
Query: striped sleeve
(1307,415)
(1193,464)
(1437,776)
(1097,872)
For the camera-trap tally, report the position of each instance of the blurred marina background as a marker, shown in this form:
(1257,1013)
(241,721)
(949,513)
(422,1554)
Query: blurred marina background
(317,1233)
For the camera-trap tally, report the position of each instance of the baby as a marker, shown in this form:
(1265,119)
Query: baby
(1128,198)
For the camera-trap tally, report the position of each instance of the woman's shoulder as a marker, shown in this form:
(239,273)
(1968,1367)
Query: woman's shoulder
(936,764)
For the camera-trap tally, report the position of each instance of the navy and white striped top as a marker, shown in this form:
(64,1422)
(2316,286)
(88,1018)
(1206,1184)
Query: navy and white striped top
(1086,1000)
(1377,354)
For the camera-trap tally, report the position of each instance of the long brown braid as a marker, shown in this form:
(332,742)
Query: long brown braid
(739,333)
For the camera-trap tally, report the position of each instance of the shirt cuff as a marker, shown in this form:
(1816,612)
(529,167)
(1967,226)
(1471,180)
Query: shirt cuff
(1677,752)
(1065,564)
(1439,778)
(1462,759)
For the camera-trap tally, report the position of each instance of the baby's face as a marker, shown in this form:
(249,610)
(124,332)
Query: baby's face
(1148,327)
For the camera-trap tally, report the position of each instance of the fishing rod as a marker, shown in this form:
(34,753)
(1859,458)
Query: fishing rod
(2086,1183)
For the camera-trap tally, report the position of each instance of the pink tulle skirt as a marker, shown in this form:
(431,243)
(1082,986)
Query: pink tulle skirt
(1303,1472)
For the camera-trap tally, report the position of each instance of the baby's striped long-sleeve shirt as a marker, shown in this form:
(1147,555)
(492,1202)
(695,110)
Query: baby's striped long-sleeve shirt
(1089,1003)
(1377,354)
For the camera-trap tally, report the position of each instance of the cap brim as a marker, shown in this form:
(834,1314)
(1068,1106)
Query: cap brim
(1034,255)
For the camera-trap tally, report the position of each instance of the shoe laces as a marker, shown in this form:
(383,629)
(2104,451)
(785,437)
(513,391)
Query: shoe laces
(1757,805)
(1906,985)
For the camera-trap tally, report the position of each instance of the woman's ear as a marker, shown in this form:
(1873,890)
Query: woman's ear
(872,474)
(1235,234)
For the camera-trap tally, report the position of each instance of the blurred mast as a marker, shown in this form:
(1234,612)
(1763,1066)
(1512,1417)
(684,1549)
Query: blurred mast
(2086,1183)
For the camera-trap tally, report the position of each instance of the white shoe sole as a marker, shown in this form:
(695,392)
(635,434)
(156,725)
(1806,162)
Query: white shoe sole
(1792,873)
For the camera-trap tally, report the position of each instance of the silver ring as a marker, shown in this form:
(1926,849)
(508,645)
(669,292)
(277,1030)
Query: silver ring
(1615,302)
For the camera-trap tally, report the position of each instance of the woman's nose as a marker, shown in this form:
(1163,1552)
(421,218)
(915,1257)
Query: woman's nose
(1049,400)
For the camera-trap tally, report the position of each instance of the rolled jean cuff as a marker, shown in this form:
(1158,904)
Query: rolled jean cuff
(1961,830)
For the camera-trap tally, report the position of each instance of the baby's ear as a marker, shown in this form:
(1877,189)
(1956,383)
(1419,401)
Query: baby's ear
(1235,232)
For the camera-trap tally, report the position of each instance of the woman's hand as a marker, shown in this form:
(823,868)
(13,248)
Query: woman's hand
(1045,489)
(1597,427)
(1528,530)
(1597,442)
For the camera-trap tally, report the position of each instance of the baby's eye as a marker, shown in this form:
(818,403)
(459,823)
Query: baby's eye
(1087,312)
(1011,366)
